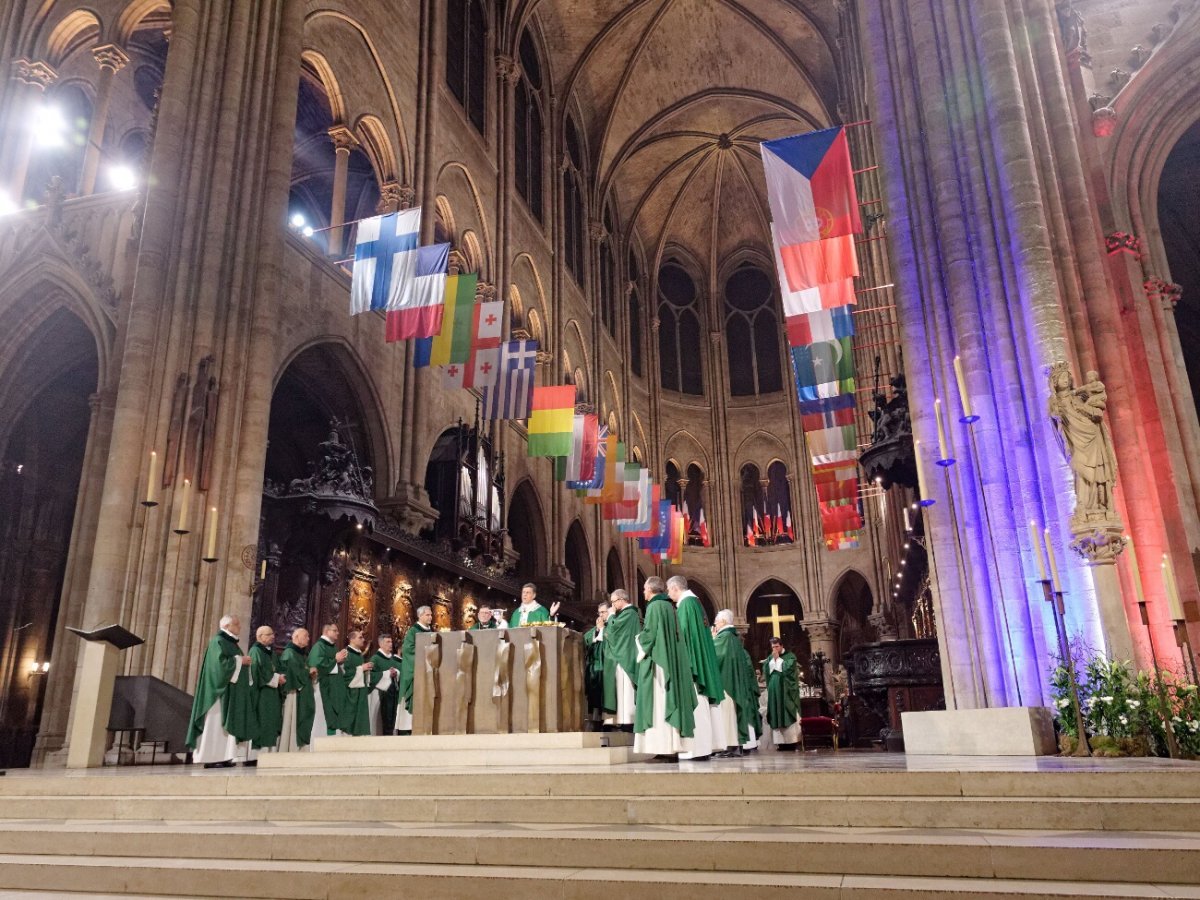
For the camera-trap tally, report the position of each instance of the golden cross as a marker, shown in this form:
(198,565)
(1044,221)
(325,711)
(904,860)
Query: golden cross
(775,619)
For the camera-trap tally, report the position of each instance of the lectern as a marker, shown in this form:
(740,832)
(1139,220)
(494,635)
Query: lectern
(93,702)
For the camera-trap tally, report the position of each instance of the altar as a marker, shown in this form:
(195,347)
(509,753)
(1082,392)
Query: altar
(503,681)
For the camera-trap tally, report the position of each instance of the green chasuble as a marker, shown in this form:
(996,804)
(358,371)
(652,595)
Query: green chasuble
(408,663)
(731,659)
(323,658)
(696,633)
(237,705)
(294,666)
(619,650)
(387,699)
(521,617)
(268,701)
(663,647)
(783,692)
(752,698)
(480,626)
(356,717)
(593,669)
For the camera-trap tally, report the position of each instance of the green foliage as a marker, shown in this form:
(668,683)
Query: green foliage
(1123,709)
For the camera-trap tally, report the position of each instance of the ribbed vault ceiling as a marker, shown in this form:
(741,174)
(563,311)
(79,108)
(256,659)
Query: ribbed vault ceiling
(673,97)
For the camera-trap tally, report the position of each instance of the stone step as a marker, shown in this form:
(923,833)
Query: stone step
(1072,814)
(481,743)
(720,778)
(333,881)
(355,756)
(1080,857)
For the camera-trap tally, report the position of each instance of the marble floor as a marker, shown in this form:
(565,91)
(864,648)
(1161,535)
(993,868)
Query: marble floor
(847,761)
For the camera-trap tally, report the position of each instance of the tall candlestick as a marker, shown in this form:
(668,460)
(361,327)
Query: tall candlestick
(184,501)
(1173,602)
(1035,539)
(907,521)
(1055,583)
(926,500)
(210,544)
(1135,571)
(968,415)
(944,457)
(152,482)
(262,572)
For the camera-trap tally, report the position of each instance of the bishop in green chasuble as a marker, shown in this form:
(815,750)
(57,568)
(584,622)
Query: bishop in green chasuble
(385,687)
(408,663)
(739,706)
(265,679)
(666,696)
(356,671)
(783,696)
(299,700)
(327,659)
(223,708)
(696,632)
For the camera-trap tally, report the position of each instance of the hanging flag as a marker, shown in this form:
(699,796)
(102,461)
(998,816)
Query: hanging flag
(658,541)
(758,532)
(612,489)
(385,261)
(784,530)
(642,525)
(678,538)
(829,445)
(687,520)
(452,343)
(749,535)
(810,186)
(420,312)
(827,267)
(581,466)
(551,421)
(482,367)
(704,538)
(825,325)
(511,395)
(824,370)
(766,519)
(790,533)
(597,480)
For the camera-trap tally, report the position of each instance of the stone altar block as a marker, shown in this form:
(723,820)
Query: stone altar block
(514,681)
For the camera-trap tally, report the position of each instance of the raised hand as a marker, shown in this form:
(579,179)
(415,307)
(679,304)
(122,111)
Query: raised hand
(554,608)
(341,655)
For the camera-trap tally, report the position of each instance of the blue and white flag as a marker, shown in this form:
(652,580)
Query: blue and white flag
(511,397)
(385,261)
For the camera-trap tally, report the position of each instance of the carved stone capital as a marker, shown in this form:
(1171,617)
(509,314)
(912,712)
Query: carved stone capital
(485,292)
(34,73)
(520,334)
(655,324)
(1171,295)
(883,626)
(389,197)
(343,138)
(630,287)
(1098,543)
(1138,56)
(544,357)
(585,409)
(408,196)
(1123,242)
(715,337)
(508,69)
(821,630)
(1117,79)
(110,56)
(597,232)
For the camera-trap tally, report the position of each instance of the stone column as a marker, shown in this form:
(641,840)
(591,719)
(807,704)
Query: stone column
(111,59)
(343,142)
(822,636)
(32,78)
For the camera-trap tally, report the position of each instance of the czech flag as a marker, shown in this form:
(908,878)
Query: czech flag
(810,186)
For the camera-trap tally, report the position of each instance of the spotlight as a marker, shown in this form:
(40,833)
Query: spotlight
(298,220)
(49,126)
(122,178)
(7,204)
(904,562)
(307,231)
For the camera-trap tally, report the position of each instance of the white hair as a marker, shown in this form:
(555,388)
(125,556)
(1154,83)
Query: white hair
(725,615)
(424,609)
(227,620)
(678,581)
(620,594)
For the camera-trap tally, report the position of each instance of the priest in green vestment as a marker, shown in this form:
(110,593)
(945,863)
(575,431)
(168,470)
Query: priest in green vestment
(356,671)
(740,718)
(619,687)
(530,612)
(299,701)
(223,708)
(666,696)
(326,660)
(385,687)
(485,619)
(783,696)
(753,699)
(696,632)
(266,680)
(593,664)
(408,668)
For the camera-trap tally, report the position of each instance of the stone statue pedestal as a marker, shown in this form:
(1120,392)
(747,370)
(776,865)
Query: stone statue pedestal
(995,731)
(503,681)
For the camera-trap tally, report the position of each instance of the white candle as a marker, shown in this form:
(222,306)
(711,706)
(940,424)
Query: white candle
(152,481)
(1174,604)
(210,544)
(1035,539)
(943,444)
(263,571)
(962,389)
(1135,571)
(921,482)
(907,521)
(1053,564)
(184,500)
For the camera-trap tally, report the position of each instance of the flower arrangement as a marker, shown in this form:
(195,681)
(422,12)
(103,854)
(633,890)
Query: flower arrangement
(1124,709)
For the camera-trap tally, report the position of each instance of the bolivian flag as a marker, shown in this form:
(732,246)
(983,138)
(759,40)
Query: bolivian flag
(552,422)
